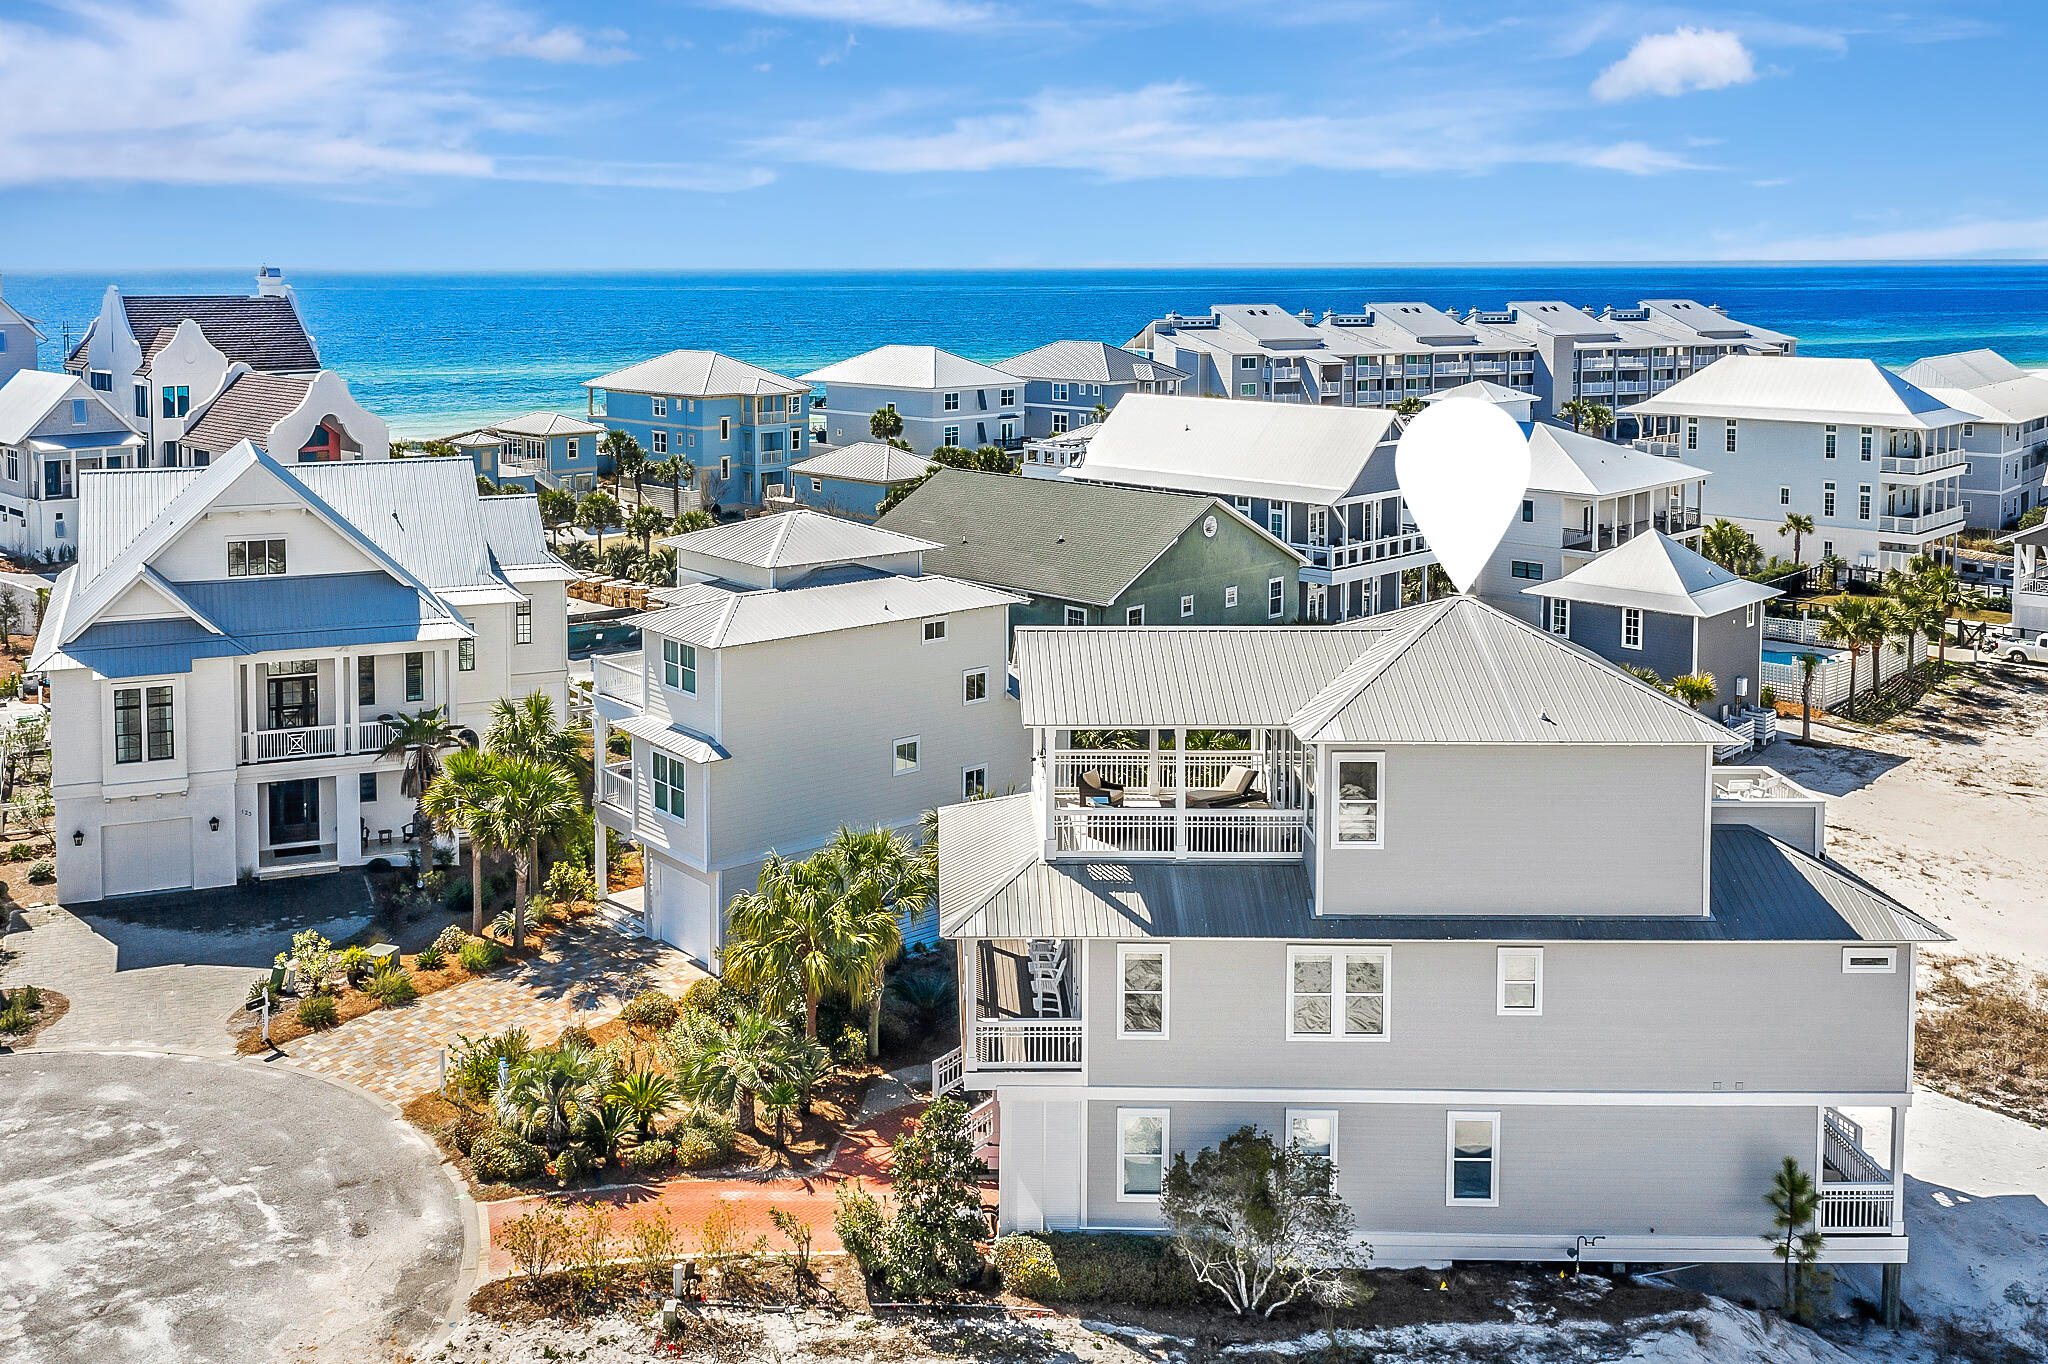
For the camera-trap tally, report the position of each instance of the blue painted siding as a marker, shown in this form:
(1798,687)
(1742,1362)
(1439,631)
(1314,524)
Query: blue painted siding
(738,445)
(980,419)
(1042,398)
(840,496)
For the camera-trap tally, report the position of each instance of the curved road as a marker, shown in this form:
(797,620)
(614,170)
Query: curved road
(176,1208)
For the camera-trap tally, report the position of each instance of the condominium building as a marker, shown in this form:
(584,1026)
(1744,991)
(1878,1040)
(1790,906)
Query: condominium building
(1875,461)
(1069,384)
(1465,909)
(739,425)
(2007,444)
(739,752)
(227,654)
(942,398)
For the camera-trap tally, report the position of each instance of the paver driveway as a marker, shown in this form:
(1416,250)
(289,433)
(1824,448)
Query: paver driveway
(158,1208)
(588,973)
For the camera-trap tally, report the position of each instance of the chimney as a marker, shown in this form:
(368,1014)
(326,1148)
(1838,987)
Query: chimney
(270,282)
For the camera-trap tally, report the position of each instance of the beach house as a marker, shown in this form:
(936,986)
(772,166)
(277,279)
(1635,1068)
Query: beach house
(1446,899)
(539,450)
(853,480)
(19,337)
(1069,384)
(53,427)
(2007,444)
(738,425)
(942,398)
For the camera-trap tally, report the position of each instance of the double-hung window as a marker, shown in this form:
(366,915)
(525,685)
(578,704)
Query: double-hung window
(1863,502)
(1009,397)
(1187,606)
(142,400)
(1076,615)
(1518,973)
(973,686)
(1313,1131)
(1471,1158)
(255,558)
(158,719)
(1141,990)
(660,442)
(1560,616)
(128,725)
(1141,1154)
(1730,438)
(660,407)
(1358,803)
(1134,615)
(1631,627)
(1692,433)
(415,677)
(725,428)
(950,436)
(668,784)
(1829,451)
(465,655)
(1863,443)
(679,665)
(1827,499)
(1337,993)
(1276,597)
(1230,596)
(522,622)
(906,755)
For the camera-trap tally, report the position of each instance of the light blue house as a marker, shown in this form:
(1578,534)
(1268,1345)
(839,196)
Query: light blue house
(740,426)
(852,480)
(943,398)
(1069,384)
(538,450)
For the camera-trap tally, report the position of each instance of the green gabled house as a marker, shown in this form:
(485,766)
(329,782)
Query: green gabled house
(1096,554)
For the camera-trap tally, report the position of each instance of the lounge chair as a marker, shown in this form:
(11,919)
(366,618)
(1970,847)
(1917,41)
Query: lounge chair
(1098,790)
(1237,789)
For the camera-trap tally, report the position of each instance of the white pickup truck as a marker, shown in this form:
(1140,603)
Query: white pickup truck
(2024,648)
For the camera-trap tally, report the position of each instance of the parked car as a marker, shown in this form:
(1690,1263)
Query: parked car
(2022,649)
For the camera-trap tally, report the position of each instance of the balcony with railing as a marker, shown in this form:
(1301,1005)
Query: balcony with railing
(1026,1007)
(1928,523)
(615,787)
(2033,584)
(1663,446)
(1240,795)
(314,741)
(1357,553)
(620,681)
(1858,1195)
(1936,465)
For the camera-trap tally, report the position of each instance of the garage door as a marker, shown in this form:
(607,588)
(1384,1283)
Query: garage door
(152,856)
(678,909)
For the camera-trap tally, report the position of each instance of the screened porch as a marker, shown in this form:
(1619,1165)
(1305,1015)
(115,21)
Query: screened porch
(1175,792)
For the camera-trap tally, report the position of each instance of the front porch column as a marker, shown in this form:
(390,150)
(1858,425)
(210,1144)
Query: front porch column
(1180,791)
(1897,1165)
(600,734)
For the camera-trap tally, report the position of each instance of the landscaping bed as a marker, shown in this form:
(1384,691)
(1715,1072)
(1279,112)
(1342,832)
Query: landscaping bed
(26,1012)
(1982,1035)
(28,870)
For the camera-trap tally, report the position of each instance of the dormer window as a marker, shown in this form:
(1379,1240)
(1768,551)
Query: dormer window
(255,558)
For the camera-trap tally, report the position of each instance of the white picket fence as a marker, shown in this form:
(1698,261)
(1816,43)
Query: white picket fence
(1831,680)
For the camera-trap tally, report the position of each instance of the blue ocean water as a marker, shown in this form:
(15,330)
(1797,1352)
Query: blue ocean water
(434,353)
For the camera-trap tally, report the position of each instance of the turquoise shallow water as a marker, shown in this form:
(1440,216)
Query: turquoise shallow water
(433,353)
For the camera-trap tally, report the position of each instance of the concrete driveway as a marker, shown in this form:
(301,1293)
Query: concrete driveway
(179,1208)
(163,972)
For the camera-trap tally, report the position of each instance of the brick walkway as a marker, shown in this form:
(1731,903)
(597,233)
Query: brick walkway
(589,972)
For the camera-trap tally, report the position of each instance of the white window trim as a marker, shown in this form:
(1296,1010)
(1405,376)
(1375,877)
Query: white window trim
(1134,615)
(1287,1133)
(1559,620)
(1385,952)
(674,766)
(1067,616)
(1187,605)
(1276,602)
(1230,597)
(926,629)
(1637,612)
(1500,982)
(1165,1117)
(973,767)
(1163,951)
(967,700)
(895,761)
(1451,1199)
(1851,968)
(1338,843)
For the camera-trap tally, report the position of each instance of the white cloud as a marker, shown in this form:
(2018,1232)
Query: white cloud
(935,14)
(565,44)
(840,53)
(1673,63)
(1177,129)
(2024,237)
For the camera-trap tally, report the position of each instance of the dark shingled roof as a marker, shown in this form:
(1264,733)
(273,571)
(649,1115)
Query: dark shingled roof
(246,410)
(262,331)
(1081,542)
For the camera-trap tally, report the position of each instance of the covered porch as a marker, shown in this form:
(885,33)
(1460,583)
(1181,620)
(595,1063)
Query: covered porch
(1024,1004)
(1861,1194)
(1184,792)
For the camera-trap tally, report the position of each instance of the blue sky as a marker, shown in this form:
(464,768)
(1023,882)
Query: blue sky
(845,133)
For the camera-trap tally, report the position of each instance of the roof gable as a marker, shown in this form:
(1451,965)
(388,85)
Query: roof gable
(1296,451)
(1571,462)
(1086,362)
(696,374)
(795,539)
(1654,572)
(867,461)
(1802,388)
(910,367)
(31,395)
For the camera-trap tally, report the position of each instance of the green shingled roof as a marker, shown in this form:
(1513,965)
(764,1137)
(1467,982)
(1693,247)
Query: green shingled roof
(1080,542)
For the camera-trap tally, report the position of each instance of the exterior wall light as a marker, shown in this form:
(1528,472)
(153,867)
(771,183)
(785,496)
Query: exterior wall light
(78,838)
(214,824)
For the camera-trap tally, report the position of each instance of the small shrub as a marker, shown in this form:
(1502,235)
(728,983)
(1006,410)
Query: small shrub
(429,958)
(653,1239)
(503,925)
(569,883)
(858,1222)
(450,939)
(20,852)
(28,997)
(724,1233)
(14,1018)
(355,963)
(651,1009)
(258,988)
(479,955)
(42,873)
(575,1038)
(390,984)
(1027,1266)
(457,895)
(699,1148)
(572,1164)
(658,1154)
(1142,1271)
(799,1234)
(850,1048)
(538,1240)
(318,1012)
(462,1130)
(1766,697)
(505,1157)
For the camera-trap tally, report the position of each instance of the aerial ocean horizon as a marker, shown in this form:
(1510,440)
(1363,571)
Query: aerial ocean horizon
(438,353)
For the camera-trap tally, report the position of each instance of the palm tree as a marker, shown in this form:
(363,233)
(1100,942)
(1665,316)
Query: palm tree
(676,471)
(549,1093)
(647,521)
(628,459)
(692,521)
(1809,664)
(557,509)
(1797,526)
(1730,546)
(526,729)
(1695,689)
(778,1101)
(646,1094)
(1409,407)
(1848,622)
(598,512)
(526,803)
(1587,415)
(10,618)
(787,932)
(876,872)
(421,740)
(728,1066)
(456,801)
(806,1064)
(1831,566)
(886,424)
(1647,676)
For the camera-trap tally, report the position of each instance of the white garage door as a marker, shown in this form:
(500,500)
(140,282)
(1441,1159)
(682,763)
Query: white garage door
(152,856)
(678,909)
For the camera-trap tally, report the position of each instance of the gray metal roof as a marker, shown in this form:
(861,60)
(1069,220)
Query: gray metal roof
(512,526)
(246,409)
(548,424)
(924,367)
(1459,671)
(1802,388)
(1763,891)
(424,513)
(868,461)
(1090,362)
(1167,676)
(795,539)
(1298,452)
(1571,462)
(682,743)
(1962,369)
(1654,572)
(712,617)
(1082,542)
(696,374)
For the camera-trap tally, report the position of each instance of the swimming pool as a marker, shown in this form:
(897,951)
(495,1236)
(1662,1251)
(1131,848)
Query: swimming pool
(1790,654)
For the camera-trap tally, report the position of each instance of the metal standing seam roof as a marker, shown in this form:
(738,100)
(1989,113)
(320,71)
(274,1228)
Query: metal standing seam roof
(1170,676)
(721,619)
(1710,323)
(27,397)
(1656,573)
(424,513)
(1485,390)
(512,527)
(1299,452)
(923,367)
(1962,369)
(696,374)
(1459,671)
(1802,388)
(1084,542)
(868,461)
(795,539)
(1090,362)
(683,744)
(994,883)
(548,424)
(246,409)
(1579,465)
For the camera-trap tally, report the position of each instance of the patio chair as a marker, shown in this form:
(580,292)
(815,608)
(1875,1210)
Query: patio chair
(1237,789)
(1098,790)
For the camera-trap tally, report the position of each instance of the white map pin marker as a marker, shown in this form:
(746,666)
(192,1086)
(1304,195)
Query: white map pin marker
(1463,466)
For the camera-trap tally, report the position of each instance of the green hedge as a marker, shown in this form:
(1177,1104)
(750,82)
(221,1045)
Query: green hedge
(1142,1271)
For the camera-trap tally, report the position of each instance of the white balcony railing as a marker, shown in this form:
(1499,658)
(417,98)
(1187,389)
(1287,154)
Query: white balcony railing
(1857,1209)
(946,1072)
(1666,448)
(1946,462)
(1133,767)
(282,745)
(615,786)
(1027,1043)
(1098,831)
(371,737)
(1931,523)
(621,681)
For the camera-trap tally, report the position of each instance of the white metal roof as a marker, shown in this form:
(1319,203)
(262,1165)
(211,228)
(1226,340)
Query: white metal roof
(868,461)
(1459,671)
(911,367)
(1089,362)
(548,424)
(2010,402)
(1656,573)
(1802,388)
(1570,462)
(1962,369)
(1294,451)
(719,618)
(27,398)
(696,374)
(1710,323)
(1500,395)
(795,539)
(670,739)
